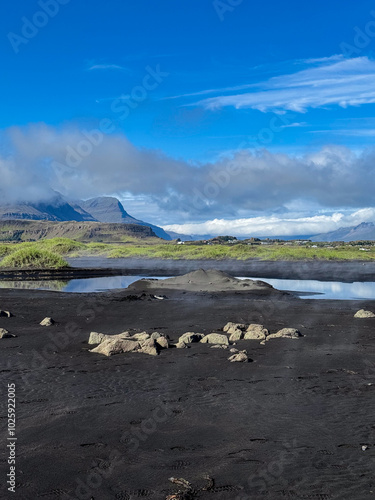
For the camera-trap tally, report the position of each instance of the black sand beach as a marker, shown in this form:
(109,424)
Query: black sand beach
(297,422)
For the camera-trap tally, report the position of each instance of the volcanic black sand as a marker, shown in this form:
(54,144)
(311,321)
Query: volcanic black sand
(297,422)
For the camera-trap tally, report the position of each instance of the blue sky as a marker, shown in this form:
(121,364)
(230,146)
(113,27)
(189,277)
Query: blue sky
(291,78)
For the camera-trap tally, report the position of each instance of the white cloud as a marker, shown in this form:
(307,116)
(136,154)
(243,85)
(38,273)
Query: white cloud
(92,67)
(359,132)
(275,226)
(331,81)
(84,163)
(295,125)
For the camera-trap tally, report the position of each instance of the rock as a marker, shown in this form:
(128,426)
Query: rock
(140,336)
(238,335)
(233,327)
(364,314)
(155,335)
(98,338)
(215,338)
(287,333)
(256,332)
(109,347)
(233,350)
(124,335)
(190,337)
(181,345)
(150,347)
(4,334)
(47,322)
(5,314)
(240,357)
(364,447)
(162,342)
(219,346)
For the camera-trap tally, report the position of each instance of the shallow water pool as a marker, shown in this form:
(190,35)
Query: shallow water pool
(311,289)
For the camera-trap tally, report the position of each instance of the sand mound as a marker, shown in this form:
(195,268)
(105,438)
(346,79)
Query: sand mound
(202,280)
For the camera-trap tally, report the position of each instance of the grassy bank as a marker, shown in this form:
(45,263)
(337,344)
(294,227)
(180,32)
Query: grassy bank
(28,257)
(50,253)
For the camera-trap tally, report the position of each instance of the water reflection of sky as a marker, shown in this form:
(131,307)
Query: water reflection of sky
(311,289)
(325,289)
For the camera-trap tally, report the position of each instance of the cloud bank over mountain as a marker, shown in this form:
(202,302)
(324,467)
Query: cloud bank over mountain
(85,162)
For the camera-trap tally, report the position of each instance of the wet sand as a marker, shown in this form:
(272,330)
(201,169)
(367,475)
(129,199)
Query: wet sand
(290,424)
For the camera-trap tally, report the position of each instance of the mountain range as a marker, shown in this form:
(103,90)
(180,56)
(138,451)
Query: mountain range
(57,208)
(364,231)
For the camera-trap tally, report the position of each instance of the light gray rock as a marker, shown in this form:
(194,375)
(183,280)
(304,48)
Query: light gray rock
(219,346)
(162,342)
(4,334)
(256,332)
(47,322)
(240,357)
(5,314)
(233,327)
(287,333)
(124,335)
(140,336)
(215,338)
(364,314)
(150,347)
(190,337)
(109,347)
(98,338)
(155,335)
(233,350)
(238,335)
(181,345)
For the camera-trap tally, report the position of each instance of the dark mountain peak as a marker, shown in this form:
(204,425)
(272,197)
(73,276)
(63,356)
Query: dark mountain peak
(57,208)
(106,209)
(110,209)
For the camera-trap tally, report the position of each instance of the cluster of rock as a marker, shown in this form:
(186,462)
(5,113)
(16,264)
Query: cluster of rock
(254,331)
(4,334)
(153,343)
(364,314)
(143,342)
